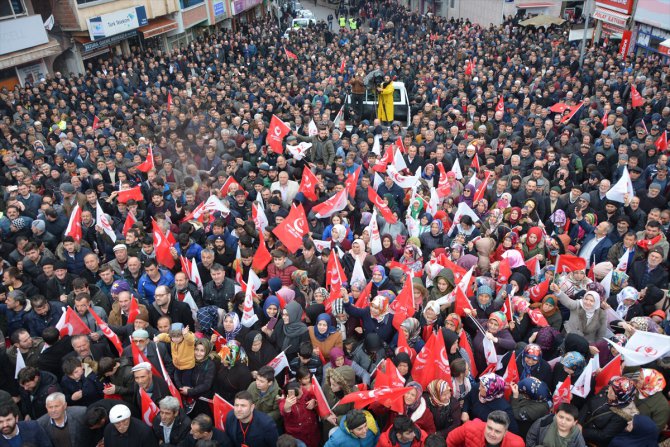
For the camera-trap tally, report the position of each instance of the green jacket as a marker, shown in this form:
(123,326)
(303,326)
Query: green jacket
(269,402)
(656,407)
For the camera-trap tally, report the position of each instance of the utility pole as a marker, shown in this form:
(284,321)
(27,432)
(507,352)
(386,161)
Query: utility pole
(587,11)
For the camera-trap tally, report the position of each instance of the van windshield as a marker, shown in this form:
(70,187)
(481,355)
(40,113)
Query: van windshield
(371,95)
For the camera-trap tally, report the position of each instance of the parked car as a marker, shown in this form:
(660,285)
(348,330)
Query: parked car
(401,105)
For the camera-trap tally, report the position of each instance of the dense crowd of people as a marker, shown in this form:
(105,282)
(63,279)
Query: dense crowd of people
(160,285)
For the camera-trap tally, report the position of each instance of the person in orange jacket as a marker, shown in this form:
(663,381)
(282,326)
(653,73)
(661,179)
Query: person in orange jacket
(492,433)
(403,432)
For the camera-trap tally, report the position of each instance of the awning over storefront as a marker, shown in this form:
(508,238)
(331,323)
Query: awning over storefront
(609,16)
(94,45)
(531,5)
(51,48)
(158,27)
(664,47)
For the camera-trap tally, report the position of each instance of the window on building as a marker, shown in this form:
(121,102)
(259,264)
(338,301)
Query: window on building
(452,4)
(11,8)
(188,3)
(85,2)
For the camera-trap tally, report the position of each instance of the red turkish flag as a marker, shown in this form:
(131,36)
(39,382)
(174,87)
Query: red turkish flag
(171,386)
(400,145)
(221,408)
(386,160)
(383,395)
(559,107)
(74,225)
(162,246)
(461,302)
(603,120)
(220,340)
(469,68)
(475,163)
(134,310)
(613,368)
(539,291)
(140,357)
(465,344)
(636,99)
(292,229)
(331,206)
(262,257)
(149,408)
(500,107)
(351,182)
(562,393)
(403,345)
(104,327)
(335,275)
(533,265)
(507,308)
(341,70)
(290,54)
(443,188)
(127,225)
(70,324)
(148,164)
(511,375)
(363,300)
(96,122)
(432,362)
(403,267)
(537,318)
(132,193)
(381,206)
(308,184)
(403,306)
(226,185)
(569,263)
(504,271)
(322,406)
(661,142)
(169,102)
(276,133)
(481,189)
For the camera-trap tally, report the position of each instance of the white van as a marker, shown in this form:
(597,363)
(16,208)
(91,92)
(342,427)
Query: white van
(402,111)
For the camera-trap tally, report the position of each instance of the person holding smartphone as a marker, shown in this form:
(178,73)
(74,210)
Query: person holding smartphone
(298,409)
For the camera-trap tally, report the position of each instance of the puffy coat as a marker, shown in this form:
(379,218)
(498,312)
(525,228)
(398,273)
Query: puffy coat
(342,437)
(656,407)
(471,434)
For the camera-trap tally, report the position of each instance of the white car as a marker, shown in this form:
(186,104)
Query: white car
(302,22)
(305,14)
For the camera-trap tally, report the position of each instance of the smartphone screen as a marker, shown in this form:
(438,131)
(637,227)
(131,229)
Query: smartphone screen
(272,323)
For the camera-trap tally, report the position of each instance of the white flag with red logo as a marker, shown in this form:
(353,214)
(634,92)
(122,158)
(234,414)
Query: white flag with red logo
(375,236)
(339,117)
(582,386)
(279,363)
(456,169)
(149,408)
(622,187)
(312,129)
(404,181)
(70,324)
(643,347)
(211,205)
(249,317)
(258,216)
(622,266)
(298,152)
(331,206)
(74,225)
(103,222)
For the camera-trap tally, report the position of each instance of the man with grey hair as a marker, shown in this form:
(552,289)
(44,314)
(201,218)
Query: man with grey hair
(65,426)
(172,426)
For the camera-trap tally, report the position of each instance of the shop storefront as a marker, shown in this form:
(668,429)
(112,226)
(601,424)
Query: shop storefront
(612,18)
(652,20)
(246,10)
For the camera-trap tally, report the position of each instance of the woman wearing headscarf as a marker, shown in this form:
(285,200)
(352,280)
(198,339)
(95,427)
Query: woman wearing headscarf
(202,377)
(338,358)
(431,319)
(231,327)
(509,242)
(650,401)
(234,374)
(452,344)
(497,332)
(467,195)
(488,397)
(304,287)
(324,335)
(483,305)
(446,410)
(521,326)
(606,415)
(626,304)
(493,227)
(513,217)
(443,284)
(403,363)
(549,309)
(272,307)
(369,353)
(571,364)
(388,253)
(531,400)
(531,364)
(641,431)
(380,281)
(416,409)
(376,318)
(517,265)
(412,258)
(607,352)
(357,253)
(481,209)
(411,328)
(290,331)
(532,244)
(338,238)
(432,239)
(259,351)
(586,316)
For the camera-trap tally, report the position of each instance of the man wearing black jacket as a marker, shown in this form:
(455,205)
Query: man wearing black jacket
(126,431)
(165,305)
(171,427)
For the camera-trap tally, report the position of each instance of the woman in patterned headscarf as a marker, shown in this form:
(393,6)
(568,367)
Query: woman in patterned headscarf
(531,400)
(651,401)
(489,396)
(626,304)
(412,331)
(304,288)
(531,364)
(445,409)
(572,363)
(498,333)
(417,409)
(375,318)
(234,374)
(606,415)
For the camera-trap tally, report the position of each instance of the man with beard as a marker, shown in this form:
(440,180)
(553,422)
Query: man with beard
(17,433)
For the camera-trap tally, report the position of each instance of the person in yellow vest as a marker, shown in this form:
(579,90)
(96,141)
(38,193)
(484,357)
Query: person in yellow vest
(343,22)
(352,23)
(385,108)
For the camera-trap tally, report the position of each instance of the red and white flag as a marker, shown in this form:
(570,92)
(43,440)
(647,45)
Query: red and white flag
(331,206)
(636,98)
(292,229)
(74,225)
(661,142)
(169,102)
(361,399)
(279,363)
(103,222)
(262,257)
(335,275)
(465,345)
(381,206)
(322,406)
(308,184)
(134,193)
(339,117)
(225,188)
(276,133)
(643,347)
(162,247)
(341,70)
(171,386)
(351,182)
(249,317)
(403,306)
(130,221)
(298,152)
(259,217)
(622,265)
(140,357)
(375,236)
(96,122)
(511,375)
(562,393)
(110,334)
(221,407)
(533,264)
(569,263)
(537,318)
(622,187)
(582,386)
(290,54)
(134,310)
(211,205)
(481,189)
(148,164)
(432,362)
(443,188)
(149,408)
(539,291)
(613,368)
(500,107)
(404,181)
(70,324)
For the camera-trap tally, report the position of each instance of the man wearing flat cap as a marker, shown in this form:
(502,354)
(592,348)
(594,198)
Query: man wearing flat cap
(153,385)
